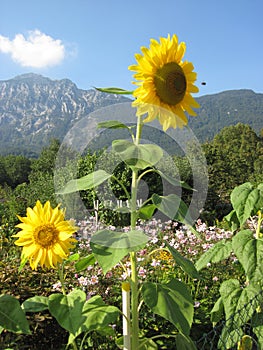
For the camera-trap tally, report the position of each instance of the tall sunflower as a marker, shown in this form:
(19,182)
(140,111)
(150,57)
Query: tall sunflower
(45,235)
(165,83)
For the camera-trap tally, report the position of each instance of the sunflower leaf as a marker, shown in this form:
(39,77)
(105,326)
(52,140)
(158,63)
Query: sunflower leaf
(67,310)
(171,301)
(12,317)
(183,262)
(137,156)
(173,207)
(35,304)
(86,182)
(115,90)
(112,124)
(109,247)
(173,181)
(83,263)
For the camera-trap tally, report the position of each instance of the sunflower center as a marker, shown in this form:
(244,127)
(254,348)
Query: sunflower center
(170,83)
(46,235)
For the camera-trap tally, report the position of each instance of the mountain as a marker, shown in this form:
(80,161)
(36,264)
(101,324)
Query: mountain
(227,108)
(34,109)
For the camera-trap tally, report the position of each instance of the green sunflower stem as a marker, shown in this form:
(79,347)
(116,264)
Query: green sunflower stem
(62,281)
(133,258)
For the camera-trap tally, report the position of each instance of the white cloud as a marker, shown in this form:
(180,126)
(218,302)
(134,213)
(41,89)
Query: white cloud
(38,50)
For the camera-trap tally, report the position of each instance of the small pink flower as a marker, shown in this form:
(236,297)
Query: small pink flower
(155,263)
(215,279)
(94,280)
(109,274)
(142,272)
(57,286)
(83,281)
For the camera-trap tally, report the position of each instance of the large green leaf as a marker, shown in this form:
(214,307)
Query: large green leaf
(257,324)
(173,207)
(234,299)
(217,311)
(232,220)
(171,301)
(246,201)
(98,314)
(109,247)
(249,252)
(83,263)
(86,182)
(184,342)
(173,181)
(146,212)
(67,310)
(75,314)
(12,317)
(137,156)
(183,262)
(35,304)
(219,251)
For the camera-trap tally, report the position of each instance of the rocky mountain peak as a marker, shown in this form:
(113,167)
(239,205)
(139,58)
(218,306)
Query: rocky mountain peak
(37,108)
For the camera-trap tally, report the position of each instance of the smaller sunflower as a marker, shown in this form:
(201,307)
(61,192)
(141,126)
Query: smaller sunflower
(165,83)
(45,235)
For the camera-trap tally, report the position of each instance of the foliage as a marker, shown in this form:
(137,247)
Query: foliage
(156,263)
(225,109)
(247,246)
(14,170)
(233,157)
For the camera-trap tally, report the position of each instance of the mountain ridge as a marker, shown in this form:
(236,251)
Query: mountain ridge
(35,109)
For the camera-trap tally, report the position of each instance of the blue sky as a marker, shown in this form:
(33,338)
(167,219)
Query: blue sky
(93,42)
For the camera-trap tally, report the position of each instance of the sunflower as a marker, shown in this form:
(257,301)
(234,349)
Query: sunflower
(45,235)
(165,83)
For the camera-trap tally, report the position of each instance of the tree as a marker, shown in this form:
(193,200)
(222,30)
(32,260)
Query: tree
(16,170)
(233,157)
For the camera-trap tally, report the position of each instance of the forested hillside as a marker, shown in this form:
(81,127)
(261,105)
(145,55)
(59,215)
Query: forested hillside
(34,109)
